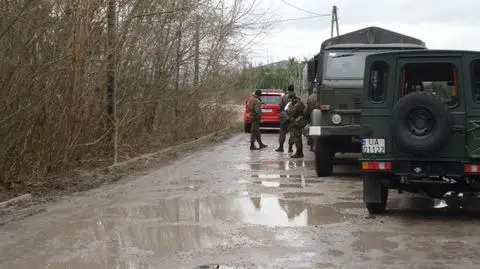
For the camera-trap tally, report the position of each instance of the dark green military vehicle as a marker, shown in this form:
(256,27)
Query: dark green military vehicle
(340,67)
(420,124)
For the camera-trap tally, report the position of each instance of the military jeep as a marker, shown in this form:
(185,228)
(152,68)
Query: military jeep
(420,124)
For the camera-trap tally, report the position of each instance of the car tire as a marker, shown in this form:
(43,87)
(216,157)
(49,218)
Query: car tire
(415,106)
(323,159)
(247,127)
(372,184)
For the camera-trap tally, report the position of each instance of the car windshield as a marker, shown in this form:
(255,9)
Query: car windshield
(271,99)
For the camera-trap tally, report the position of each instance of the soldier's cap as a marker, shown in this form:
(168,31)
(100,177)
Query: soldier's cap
(290,88)
(258,92)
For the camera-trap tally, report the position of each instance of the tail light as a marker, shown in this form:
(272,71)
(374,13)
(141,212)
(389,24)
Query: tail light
(472,168)
(324,107)
(386,166)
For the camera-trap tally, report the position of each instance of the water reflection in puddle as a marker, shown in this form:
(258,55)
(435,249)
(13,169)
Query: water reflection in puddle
(272,176)
(284,165)
(120,234)
(278,184)
(296,195)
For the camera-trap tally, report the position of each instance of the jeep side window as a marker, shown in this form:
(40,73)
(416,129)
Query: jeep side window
(439,79)
(378,81)
(475,76)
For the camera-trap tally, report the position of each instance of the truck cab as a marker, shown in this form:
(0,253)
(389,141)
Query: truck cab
(335,123)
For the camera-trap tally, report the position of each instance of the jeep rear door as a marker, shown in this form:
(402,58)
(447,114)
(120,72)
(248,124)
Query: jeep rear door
(441,76)
(385,79)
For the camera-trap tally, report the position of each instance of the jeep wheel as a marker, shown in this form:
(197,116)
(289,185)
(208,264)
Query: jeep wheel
(323,159)
(375,194)
(421,122)
(247,127)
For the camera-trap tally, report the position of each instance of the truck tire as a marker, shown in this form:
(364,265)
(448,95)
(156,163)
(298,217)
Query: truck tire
(323,159)
(247,127)
(421,123)
(375,194)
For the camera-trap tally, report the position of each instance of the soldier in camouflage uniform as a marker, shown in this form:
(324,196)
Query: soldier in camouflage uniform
(312,103)
(255,110)
(297,123)
(284,122)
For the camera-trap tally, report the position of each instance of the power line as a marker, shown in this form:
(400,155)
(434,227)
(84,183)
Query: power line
(304,10)
(284,20)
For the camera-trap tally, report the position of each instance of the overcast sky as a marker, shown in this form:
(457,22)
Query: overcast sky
(441,24)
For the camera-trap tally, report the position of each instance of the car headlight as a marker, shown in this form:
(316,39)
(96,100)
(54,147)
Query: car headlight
(336,119)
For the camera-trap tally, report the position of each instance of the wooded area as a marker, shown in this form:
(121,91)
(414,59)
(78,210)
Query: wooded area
(164,59)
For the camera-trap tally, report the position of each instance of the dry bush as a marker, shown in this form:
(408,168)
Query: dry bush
(53,66)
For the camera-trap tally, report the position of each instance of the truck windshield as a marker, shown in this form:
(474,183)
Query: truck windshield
(345,64)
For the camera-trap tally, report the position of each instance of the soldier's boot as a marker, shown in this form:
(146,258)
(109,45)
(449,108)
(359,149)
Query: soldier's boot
(252,146)
(262,146)
(299,153)
(280,148)
(290,148)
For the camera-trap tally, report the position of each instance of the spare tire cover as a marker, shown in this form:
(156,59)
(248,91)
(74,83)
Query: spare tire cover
(421,123)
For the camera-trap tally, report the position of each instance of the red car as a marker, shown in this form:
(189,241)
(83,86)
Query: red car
(270,115)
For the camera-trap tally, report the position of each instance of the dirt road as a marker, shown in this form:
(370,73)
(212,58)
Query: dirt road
(240,209)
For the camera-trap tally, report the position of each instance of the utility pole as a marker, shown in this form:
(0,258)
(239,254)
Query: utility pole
(111,64)
(334,21)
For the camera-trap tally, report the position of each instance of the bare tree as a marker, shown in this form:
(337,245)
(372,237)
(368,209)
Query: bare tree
(57,55)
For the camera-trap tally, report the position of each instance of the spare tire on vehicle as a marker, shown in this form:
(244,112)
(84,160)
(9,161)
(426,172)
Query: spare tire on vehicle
(421,123)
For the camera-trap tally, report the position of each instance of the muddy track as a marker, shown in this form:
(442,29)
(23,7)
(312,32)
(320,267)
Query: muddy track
(229,206)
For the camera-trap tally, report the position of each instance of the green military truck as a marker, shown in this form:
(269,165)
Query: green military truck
(420,125)
(335,123)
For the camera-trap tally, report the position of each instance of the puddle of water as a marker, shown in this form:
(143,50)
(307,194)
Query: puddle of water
(309,181)
(110,237)
(186,188)
(269,210)
(294,195)
(440,203)
(278,184)
(284,165)
(274,176)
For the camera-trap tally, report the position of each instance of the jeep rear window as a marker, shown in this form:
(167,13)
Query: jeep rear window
(439,79)
(475,76)
(271,99)
(378,81)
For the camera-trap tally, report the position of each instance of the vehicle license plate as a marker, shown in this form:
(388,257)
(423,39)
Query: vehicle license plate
(373,145)
(266,110)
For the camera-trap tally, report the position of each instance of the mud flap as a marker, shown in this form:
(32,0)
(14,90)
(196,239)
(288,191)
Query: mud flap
(372,189)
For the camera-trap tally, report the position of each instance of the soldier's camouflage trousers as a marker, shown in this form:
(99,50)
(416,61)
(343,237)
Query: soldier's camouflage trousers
(284,127)
(290,130)
(255,132)
(296,137)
